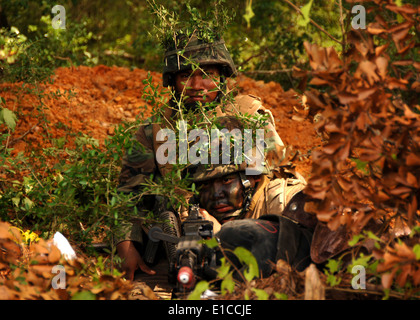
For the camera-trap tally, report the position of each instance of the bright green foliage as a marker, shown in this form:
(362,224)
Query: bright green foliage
(84,295)
(249,14)
(332,268)
(200,287)
(8,118)
(77,196)
(226,271)
(304,19)
(247,258)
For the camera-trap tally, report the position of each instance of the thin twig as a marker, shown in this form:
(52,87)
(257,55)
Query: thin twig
(270,71)
(12,142)
(253,56)
(340,4)
(314,23)
(372,291)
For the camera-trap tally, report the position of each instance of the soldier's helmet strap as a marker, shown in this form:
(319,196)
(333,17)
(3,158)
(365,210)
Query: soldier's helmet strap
(248,191)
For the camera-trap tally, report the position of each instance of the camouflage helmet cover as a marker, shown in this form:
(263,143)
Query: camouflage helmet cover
(199,52)
(209,172)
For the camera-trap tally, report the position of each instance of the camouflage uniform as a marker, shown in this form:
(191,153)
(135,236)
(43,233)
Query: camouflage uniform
(273,225)
(276,226)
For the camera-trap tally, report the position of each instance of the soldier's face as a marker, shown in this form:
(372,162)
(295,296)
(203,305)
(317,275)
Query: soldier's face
(200,85)
(222,195)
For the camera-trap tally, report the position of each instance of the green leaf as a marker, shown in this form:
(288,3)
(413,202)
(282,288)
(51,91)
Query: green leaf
(198,290)
(113,201)
(361,260)
(304,20)
(333,265)
(355,240)
(228,284)
(28,203)
(211,243)
(246,257)
(281,296)
(224,269)
(372,236)
(416,250)
(84,295)
(249,14)
(16,201)
(261,294)
(333,280)
(9,118)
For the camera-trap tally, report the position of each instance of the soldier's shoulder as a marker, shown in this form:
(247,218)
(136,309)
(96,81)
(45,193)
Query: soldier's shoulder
(248,100)
(249,103)
(252,105)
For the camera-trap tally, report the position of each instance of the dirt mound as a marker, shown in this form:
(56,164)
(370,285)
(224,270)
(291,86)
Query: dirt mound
(93,100)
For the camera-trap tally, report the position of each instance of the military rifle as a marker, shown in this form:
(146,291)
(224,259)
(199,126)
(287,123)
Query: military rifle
(189,258)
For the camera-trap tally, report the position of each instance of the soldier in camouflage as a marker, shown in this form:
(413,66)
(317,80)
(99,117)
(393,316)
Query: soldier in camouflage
(268,217)
(196,72)
(265,216)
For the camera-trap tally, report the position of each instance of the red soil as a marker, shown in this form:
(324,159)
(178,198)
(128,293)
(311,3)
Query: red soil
(104,96)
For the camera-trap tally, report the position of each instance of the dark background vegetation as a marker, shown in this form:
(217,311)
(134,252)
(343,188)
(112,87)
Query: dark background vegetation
(266,45)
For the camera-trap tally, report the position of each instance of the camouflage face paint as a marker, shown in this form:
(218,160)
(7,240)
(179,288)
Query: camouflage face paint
(198,86)
(222,196)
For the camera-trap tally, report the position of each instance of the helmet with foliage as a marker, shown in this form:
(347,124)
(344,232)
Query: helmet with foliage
(186,51)
(213,171)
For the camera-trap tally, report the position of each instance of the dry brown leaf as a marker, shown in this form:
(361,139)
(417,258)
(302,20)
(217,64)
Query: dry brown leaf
(346,98)
(9,251)
(344,152)
(374,28)
(412,180)
(4,230)
(54,255)
(42,270)
(5,293)
(404,251)
(402,9)
(369,69)
(416,277)
(379,50)
(331,148)
(403,274)
(283,267)
(318,82)
(387,279)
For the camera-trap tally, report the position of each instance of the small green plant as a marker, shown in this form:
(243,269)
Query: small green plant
(333,267)
(228,275)
(208,26)
(7,117)
(76,196)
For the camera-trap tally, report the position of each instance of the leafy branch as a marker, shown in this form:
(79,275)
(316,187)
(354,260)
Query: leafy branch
(305,15)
